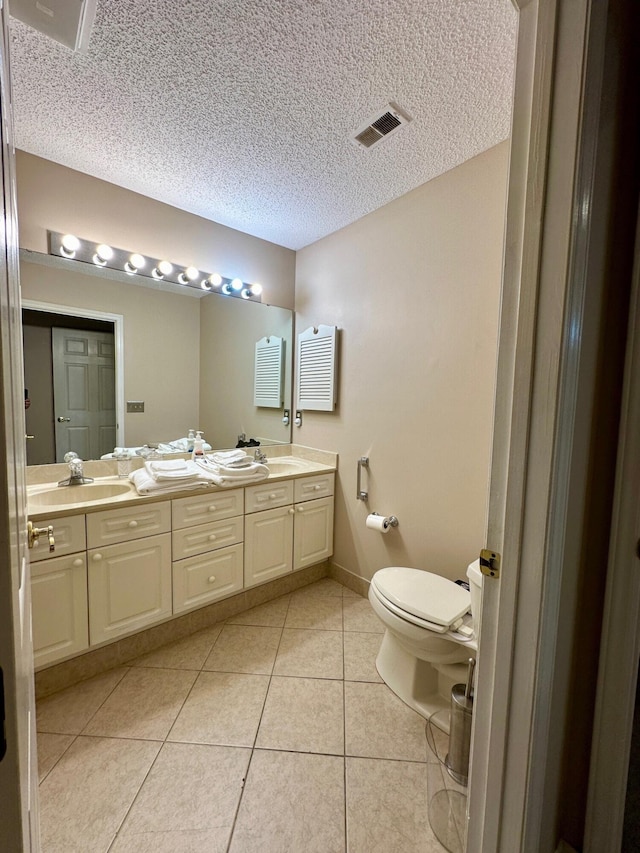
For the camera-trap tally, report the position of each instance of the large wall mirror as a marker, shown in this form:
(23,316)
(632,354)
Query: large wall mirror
(187,360)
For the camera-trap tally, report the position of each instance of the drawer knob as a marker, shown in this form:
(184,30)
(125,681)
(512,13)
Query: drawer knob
(96,558)
(291,511)
(317,487)
(212,508)
(300,509)
(272,496)
(133,523)
(78,562)
(211,579)
(213,537)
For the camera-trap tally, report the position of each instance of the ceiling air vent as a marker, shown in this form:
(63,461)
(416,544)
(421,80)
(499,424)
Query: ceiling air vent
(380,126)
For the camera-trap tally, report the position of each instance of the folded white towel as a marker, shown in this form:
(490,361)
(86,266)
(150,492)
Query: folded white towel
(146,485)
(155,470)
(168,465)
(222,475)
(224,457)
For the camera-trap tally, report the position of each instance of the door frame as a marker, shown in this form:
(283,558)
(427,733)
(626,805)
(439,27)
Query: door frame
(118,337)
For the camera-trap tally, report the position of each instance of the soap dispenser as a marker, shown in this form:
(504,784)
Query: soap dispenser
(191,438)
(198,447)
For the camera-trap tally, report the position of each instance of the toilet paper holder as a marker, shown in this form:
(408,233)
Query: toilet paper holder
(391,520)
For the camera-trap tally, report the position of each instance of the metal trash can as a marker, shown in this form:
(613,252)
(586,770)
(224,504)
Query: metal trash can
(457,759)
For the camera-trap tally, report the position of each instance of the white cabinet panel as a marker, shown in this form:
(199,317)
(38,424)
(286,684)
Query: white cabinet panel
(69,536)
(208,577)
(268,539)
(59,608)
(311,488)
(129,586)
(268,496)
(206,537)
(203,508)
(313,532)
(123,525)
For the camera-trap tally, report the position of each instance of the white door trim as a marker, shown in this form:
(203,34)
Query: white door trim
(118,334)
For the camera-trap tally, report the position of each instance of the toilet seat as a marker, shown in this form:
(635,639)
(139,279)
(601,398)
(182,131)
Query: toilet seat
(427,600)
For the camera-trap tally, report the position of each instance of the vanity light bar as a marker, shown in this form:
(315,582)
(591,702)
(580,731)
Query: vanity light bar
(132,263)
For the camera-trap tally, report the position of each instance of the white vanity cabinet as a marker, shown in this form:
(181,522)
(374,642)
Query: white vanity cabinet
(129,570)
(207,557)
(296,533)
(59,592)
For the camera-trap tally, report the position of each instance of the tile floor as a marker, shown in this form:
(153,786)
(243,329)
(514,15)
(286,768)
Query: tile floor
(269,732)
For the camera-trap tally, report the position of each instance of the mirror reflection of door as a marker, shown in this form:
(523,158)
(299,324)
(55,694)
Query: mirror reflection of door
(83,392)
(83,371)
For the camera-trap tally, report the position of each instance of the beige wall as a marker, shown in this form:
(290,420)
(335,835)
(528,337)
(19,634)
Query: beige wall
(414,288)
(52,197)
(161,345)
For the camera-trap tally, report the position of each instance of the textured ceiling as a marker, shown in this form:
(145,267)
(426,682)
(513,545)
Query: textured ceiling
(241,111)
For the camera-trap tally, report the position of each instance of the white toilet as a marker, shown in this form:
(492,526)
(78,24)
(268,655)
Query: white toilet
(430,635)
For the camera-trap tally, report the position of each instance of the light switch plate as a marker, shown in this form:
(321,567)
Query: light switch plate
(135,406)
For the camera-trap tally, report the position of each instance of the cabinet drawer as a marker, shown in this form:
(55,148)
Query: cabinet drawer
(190,541)
(68,533)
(208,577)
(59,608)
(268,496)
(123,525)
(129,587)
(310,488)
(187,512)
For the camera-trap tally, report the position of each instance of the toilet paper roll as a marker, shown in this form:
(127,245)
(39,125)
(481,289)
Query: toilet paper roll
(378,522)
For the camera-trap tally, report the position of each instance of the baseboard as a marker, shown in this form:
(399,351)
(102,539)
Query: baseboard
(348,579)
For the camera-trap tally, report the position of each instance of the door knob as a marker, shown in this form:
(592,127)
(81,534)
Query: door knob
(34,534)
(62,420)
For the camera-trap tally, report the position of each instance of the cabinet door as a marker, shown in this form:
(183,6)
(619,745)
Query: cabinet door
(59,608)
(313,532)
(68,533)
(208,577)
(122,525)
(268,538)
(129,587)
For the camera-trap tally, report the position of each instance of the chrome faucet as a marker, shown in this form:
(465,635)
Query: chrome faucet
(76,473)
(259,456)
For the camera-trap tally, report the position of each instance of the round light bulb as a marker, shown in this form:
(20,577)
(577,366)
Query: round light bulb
(70,242)
(216,279)
(191,273)
(256,289)
(137,261)
(165,267)
(236,284)
(104,252)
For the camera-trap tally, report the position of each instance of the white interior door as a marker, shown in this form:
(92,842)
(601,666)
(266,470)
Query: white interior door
(18,768)
(84,392)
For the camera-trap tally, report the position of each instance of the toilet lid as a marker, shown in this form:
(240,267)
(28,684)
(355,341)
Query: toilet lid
(423,594)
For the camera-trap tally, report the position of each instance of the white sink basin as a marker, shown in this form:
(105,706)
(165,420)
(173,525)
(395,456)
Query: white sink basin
(280,465)
(75,495)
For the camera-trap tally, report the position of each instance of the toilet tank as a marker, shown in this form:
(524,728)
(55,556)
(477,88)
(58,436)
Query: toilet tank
(475,588)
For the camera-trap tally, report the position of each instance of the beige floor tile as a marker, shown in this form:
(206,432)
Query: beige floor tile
(244,648)
(379,725)
(291,802)
(222,708)
(68,711)
(437,741)
(359,616)
(447,818)
(191,841)
(86,796)
(269,615)
(360,652)
(325,586)
(387,807)
(323,612)
(50,749)
(191,787)
(304,715)
(350,593)
(316,654)
(188,653)
(144,705)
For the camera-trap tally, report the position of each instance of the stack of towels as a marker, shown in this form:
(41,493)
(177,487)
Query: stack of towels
(171,475)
